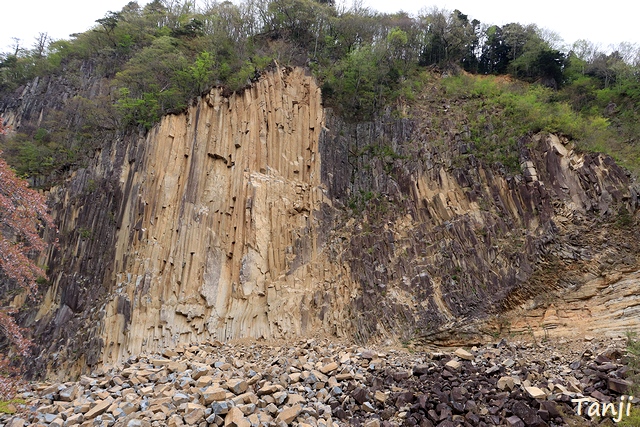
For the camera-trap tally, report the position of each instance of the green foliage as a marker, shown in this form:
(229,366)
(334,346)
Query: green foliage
(633,363)
(624,218)
(360,84)
(607,89)
(143,109)
(300,21)
(64,140)
(158,57)
(383,153)
(154,82)
(85,233)
(633,356)
(449,38)
(633,420)
(202,72)
(375,205)
(359,201)
(501,111)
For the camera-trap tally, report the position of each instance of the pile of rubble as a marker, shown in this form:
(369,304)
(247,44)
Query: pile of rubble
(319,383)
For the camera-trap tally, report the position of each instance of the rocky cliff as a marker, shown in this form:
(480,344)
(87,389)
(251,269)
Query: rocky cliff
(263,215)
(208,227)
(445,240)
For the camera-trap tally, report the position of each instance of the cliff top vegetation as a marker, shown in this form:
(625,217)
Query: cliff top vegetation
(159,57)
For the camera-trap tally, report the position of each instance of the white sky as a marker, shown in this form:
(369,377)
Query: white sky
(603,23)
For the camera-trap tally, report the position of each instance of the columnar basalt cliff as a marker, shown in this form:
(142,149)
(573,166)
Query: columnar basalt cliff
(446,240)
(208,227)
(219,233)
(263,215)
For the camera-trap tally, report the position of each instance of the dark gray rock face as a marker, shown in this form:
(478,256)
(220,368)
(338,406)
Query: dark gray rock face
(441,238)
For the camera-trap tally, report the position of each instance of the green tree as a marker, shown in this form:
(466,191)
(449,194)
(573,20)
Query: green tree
(361,83)
(303,22)
(202,72)
(449,38)
(151,83)
(494,58)
(397,42)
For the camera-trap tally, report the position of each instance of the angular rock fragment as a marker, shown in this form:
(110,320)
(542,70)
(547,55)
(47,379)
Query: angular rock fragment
(463,354)
(235,418)
(289,414)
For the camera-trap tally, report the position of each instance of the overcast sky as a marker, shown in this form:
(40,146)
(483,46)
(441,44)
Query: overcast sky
(610,22)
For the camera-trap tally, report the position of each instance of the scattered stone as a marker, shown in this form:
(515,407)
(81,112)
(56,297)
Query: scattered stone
(508,363)
(381,397)
(329,367)
(453,364)
(268,389)
(220,408)
(17,422)
(235,418)
(514,421)
(368,407)
(180,398)
(506,383)
(237,385)
(212,394)
(421,370)
(261,386)
(69,393)
(360,395)
(535,392)
(463,354)
(618,385)
(194,416)
(98,409)
(494,368)
(289,414)
(294,399)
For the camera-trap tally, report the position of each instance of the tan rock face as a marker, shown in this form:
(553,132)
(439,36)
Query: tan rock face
(601,307)
(219,237)
(209,227)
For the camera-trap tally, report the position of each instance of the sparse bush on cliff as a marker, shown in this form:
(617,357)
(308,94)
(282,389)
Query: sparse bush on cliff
(500,111)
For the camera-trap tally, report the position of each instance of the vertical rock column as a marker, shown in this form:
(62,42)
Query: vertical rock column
(219,234)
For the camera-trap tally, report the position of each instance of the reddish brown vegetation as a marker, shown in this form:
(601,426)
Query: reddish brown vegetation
(23,213)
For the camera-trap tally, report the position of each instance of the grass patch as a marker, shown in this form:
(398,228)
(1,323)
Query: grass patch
(633,363)
(633,420)
(9,406)
(500,111)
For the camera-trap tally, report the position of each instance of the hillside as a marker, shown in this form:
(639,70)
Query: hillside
(283,170)
(140,63)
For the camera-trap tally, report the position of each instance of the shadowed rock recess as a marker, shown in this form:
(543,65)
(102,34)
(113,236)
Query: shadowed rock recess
(263,215)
